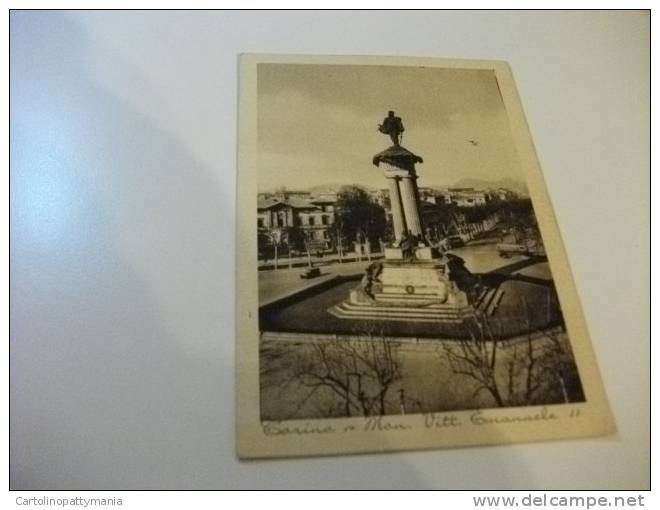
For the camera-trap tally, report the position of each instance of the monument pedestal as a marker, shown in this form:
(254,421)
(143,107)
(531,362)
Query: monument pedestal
(413,283)
(407,290)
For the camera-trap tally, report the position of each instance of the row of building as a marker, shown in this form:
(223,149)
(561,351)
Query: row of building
(465,197)
(314,214)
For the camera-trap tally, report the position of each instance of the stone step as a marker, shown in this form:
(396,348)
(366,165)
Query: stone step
(367,316)
(481,296)
(425,301)
(400,295)
(488,301)
(434,308)
(486,298)
(495,302)
(392,313)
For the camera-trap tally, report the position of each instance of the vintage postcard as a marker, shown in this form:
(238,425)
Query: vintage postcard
(401,280)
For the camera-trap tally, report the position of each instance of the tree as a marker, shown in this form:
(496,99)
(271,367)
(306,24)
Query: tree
(437,218)
(295,238)
(359,216)
(359,373)
(307,238)
(337,235)
(534,368)
(476,358)
(274,235)
(519,214)
(264,246)
(300,240)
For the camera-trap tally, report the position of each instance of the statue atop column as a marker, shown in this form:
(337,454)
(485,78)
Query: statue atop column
(415,282)
(392,126)
(398,165)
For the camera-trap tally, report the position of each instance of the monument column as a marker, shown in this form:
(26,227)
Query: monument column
(410,206)
(395,203)
(413,283)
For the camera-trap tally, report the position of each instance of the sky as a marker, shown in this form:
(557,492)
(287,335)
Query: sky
(317,124)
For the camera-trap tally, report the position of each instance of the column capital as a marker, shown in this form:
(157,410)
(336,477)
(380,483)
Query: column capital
(395,174)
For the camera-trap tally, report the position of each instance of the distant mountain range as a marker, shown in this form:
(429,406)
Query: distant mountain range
(506,183)
(468,182)
(333,188)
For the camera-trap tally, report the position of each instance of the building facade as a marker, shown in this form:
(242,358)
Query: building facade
(301,223)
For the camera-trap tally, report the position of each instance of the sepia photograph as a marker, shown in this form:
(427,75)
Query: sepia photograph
(402,269)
